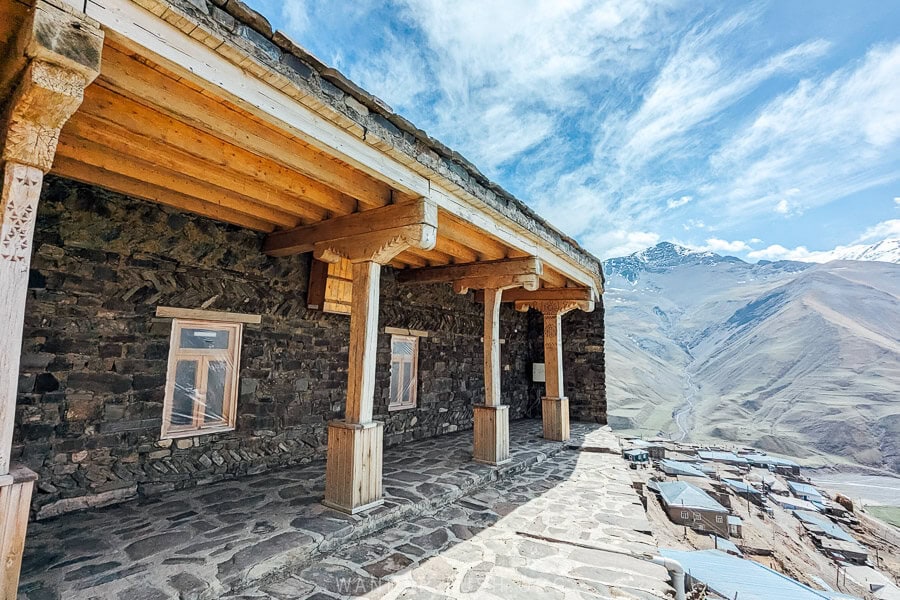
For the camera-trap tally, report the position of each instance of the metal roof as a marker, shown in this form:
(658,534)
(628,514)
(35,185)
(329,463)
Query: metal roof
(829,527)
(635,452)
(803,489)
(720,456)
(790,503)
(741,486)
(734,520)
(730,577)
(726,545)
(677,467)
(679,493)
(765,459)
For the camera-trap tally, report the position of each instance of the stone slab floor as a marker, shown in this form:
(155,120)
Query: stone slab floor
(550,524)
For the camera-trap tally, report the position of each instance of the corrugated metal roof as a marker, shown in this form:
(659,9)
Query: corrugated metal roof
(679,493)
(741,486)
(791,503)
(677,467)
(765,459)
(720,456)
(730,576)
(726,545)
(828,526)
(734,520)
(803,489)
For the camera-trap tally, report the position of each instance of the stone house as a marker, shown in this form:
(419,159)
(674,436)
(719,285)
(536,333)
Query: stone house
(218,256)
(690,506)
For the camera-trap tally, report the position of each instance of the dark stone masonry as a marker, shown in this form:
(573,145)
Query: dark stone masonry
(94,355)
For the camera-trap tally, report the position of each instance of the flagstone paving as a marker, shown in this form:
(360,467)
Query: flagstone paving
(449,528)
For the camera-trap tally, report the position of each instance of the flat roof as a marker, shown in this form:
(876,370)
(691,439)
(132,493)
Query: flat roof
(765,459)
(677,467)
(803,488)
(741,486)
(830,528)
(733,577)
(682,494)
(719,456)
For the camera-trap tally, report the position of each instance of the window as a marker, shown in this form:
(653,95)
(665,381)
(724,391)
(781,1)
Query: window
(719,519)
(684,514)
(201,384)
(696,516)
(404,367)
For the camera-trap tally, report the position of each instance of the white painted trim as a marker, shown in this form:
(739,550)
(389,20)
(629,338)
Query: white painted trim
(207,315)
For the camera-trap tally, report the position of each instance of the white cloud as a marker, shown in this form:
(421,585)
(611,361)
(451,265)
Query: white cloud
(782,207)
(882,231)
(897,201)
(676,202)
(719,246)
(620,242)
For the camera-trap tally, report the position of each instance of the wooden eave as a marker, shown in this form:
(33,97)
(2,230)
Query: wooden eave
(184,117)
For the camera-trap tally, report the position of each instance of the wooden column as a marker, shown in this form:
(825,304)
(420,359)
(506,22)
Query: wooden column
(554,403)
(55,56)
(491,442)
(355,443)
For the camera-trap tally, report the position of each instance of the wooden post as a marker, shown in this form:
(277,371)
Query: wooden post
(44,79)
(355,443)
(554,403)
(491,440)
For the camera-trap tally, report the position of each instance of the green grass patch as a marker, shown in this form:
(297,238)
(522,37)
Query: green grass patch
(888,514)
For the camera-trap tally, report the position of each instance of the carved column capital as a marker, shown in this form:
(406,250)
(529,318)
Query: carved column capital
(57,54)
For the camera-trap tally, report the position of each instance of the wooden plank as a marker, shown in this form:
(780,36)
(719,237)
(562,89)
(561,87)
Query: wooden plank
(216,117)
(460,252)
(139,189)
(119,141)
(402,331)
(304,239)
(363,342)
(15,500)
(555,418)
(553,366)
(496,268)
(353,471)
(95,155)
(465,235)
(491,434)
(492,347)
(206,315)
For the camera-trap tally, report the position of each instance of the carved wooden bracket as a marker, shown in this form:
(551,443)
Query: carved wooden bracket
(376,235)
(496,274)
(555,307)
(57,55)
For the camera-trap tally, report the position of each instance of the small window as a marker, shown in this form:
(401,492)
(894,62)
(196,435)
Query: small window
(719,519)
(696,516)
(404,367)
(201,385)
(684,514)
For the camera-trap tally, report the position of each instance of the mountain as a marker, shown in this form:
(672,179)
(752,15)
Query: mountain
(883,251)
(800,359)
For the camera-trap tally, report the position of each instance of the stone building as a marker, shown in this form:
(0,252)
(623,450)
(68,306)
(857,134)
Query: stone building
(218,256)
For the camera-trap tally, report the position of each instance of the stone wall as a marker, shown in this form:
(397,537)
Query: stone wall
(94,355)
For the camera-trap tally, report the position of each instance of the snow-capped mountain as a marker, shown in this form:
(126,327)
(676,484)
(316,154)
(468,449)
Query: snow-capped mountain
(883,251)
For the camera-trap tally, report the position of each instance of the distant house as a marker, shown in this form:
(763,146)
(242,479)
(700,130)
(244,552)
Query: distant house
(819,523)
(791,503)
(773,462)
(745,490)
(676,468)
(636,456)
(729,458)
(725,545)
(804,491)
(690,506)
(841,550)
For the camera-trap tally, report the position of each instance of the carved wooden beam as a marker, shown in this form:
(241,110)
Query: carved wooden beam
(376,235)
(555,307)
(543,294)
(496,274)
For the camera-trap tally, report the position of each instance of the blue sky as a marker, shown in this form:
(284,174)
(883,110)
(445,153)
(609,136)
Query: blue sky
(763,130)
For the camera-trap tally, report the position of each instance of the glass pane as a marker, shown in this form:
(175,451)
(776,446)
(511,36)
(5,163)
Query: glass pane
(195,338)
(408,383)
(184,393)
(395,380)
(402,347)
(215,390)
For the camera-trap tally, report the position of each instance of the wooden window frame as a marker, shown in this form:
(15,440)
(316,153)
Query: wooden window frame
(685,515)
(231,356)
(720,519)
(414,365)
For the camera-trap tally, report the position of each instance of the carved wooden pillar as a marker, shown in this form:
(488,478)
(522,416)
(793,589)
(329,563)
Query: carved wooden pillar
(56,55)
(355,444)
(554,403)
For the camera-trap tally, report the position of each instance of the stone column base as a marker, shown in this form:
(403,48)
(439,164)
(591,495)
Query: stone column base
(15,502)
(491,434)
(353,470)
(555,415)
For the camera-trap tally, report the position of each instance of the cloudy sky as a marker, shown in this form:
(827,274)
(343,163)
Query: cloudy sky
(763,130)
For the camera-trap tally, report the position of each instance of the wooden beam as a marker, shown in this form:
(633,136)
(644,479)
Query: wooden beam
(95,155)
(462,253)
(543,294)
(120,141)
(363,342)
(416,215)
(207,315)
(549,307)
(465,235)
(139,189)
(492,346)
(496,268)
(553,278)
(219,118)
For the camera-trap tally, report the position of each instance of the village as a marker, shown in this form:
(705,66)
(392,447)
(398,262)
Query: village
(740,521)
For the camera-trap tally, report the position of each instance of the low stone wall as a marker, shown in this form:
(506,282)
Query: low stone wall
(94,355)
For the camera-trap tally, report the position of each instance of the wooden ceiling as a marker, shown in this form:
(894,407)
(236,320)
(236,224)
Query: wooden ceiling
(146,132)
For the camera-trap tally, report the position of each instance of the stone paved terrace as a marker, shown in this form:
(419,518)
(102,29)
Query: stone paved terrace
(449,528)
